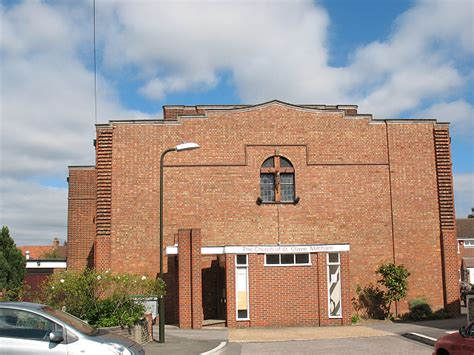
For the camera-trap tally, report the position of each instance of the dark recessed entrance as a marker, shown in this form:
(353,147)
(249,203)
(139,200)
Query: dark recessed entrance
(213,290)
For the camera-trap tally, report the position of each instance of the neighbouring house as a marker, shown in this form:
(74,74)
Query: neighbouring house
(465,235)
(42,261)
(279,216)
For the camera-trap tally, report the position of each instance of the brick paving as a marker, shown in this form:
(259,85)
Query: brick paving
(302,333)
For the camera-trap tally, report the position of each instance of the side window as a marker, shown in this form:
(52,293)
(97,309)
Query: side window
(25,325)
(470,332)
(334,285)
(277,180)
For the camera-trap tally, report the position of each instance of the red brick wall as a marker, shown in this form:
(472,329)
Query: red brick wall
(282,295)
(370,184)
(81,214)
(415,210)
(288,295)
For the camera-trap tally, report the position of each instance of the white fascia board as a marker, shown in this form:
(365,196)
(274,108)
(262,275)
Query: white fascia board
(172,250)
(38,264)
(286,249)
(267,249)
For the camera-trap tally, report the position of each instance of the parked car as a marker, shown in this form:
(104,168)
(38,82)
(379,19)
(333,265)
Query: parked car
(461,343)
(31,328)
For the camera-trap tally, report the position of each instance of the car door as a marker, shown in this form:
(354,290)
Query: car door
(24,332)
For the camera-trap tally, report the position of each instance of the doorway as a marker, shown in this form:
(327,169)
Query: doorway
(213,290)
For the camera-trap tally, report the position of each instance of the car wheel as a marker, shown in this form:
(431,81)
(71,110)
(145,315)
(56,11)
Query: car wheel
(442,352)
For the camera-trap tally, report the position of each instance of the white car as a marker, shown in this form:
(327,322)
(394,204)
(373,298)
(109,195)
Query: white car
(31,328)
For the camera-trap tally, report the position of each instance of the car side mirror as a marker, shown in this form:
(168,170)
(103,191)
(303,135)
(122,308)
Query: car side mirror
(56,336)
(462,331)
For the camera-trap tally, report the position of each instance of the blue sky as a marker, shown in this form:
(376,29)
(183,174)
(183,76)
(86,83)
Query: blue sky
(393,58)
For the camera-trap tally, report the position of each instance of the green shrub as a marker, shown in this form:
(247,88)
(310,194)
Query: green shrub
(102,299)
(355,319)
(370,302)
(441,314)
(116,311)
(419,310)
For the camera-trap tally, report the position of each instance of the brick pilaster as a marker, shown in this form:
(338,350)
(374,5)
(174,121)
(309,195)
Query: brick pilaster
(230,290)
(184,271)
(102,256)
(190,284)
(346,289)
(196,279)
(447,219)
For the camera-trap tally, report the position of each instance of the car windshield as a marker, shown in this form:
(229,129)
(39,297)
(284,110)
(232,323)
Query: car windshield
(70,320)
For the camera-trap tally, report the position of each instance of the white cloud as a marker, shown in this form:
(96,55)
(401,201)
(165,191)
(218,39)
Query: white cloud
(279,50)
(271,49)
(34,213)
(460,113)
(47,113)
(464,194)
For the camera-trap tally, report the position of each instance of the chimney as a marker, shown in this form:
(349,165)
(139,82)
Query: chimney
(27,255)
(55,243)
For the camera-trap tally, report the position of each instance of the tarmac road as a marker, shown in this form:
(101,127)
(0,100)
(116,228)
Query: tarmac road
(391,344)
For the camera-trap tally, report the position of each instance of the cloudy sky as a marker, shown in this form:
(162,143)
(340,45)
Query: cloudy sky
(393,58)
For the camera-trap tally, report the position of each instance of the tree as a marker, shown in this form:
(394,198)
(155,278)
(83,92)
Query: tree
(395,280)
(12,266)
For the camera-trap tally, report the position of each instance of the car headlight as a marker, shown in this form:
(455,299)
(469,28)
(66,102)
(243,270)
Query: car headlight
(117,349)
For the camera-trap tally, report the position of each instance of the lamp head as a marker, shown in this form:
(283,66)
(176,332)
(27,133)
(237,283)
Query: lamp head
(187,146)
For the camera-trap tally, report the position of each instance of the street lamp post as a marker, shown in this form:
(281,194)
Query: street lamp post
(178,148)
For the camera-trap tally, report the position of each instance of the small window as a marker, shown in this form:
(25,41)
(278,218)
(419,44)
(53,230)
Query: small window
(334,258)
(242,287)
(334,285)
(277,180)
(267,187)
(272,259)
(469,243)
(302,258)
(269,163)
(287,187)
(287,259)
(241,260)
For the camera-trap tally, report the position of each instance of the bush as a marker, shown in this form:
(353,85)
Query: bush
(441,314)
(419,310)
(370,302)
(355,319)
(101,298)
(114,311)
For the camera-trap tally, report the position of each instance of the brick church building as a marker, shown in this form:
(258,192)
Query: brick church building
(277,218)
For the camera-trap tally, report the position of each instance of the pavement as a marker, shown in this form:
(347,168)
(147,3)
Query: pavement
(187,341)
(232,341)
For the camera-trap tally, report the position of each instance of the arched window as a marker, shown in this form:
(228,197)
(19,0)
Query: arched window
(277,180)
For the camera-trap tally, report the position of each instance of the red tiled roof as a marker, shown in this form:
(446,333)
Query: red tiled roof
(465,227)
(37,251)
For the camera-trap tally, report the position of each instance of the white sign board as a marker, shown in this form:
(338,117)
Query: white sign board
(267,249)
